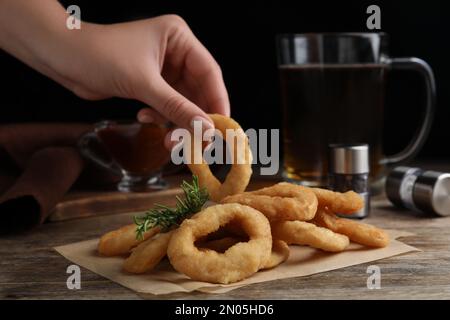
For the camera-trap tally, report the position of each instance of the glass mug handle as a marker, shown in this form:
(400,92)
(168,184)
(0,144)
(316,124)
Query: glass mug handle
(419,138)
(84,145)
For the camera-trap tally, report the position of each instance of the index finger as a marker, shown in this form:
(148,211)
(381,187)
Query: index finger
(201,65)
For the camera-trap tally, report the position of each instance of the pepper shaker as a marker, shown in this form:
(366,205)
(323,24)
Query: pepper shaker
(420,190)
(349,170)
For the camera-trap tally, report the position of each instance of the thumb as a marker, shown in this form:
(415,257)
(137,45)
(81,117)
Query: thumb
(174,106)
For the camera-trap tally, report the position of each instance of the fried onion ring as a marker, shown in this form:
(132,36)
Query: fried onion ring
(241,170)
(345,203)
(148,254)
(282,201)
(358,232)
(238,262)
(305,233)
(120,241)
(280,253)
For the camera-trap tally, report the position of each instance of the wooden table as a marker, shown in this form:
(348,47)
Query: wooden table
(31,269)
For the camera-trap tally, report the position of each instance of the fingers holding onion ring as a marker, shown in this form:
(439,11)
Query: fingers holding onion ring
(238,262)
(241,170)
(283,201)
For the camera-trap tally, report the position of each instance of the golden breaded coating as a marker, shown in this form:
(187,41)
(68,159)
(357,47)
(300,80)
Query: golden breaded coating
(280,253)
(238,262)
(346,203)
(121,241)
(358,232)
(241,170)
(282,201)
(305,233)
(148,254)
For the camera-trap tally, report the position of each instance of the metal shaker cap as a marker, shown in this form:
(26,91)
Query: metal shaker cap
(349,158)
(419,190)
(432,192)
(400,184)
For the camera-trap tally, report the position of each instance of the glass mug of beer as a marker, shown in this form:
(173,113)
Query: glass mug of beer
(129,149)
(332,89)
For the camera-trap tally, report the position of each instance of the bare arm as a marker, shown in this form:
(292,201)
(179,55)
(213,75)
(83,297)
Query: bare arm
(158,61)
(35,32)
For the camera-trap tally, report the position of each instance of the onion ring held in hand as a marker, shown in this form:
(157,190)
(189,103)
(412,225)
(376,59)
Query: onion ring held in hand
(122,240)
(238,262)
(305,233)
(148,254)
(241,170)
(345,203)
(358,232)
(282,201)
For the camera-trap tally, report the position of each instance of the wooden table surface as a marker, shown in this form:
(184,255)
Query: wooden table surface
(31,269)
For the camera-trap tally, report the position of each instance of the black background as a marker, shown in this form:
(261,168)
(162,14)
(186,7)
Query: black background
(241,36)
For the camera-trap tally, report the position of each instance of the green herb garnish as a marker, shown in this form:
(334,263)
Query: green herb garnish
(165,217)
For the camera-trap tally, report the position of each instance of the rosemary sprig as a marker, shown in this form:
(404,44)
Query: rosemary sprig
(165,217)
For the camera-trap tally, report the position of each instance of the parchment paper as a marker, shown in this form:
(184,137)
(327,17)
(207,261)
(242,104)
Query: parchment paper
(164,279)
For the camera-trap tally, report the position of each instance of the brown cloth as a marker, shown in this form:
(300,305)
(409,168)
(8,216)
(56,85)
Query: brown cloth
(38,165)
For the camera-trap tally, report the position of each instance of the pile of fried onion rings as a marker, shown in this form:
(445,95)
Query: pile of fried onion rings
(246,231)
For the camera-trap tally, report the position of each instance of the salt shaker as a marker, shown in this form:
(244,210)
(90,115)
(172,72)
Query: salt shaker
(349,170)
(420,190)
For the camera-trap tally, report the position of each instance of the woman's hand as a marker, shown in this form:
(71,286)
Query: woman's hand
(158,61)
